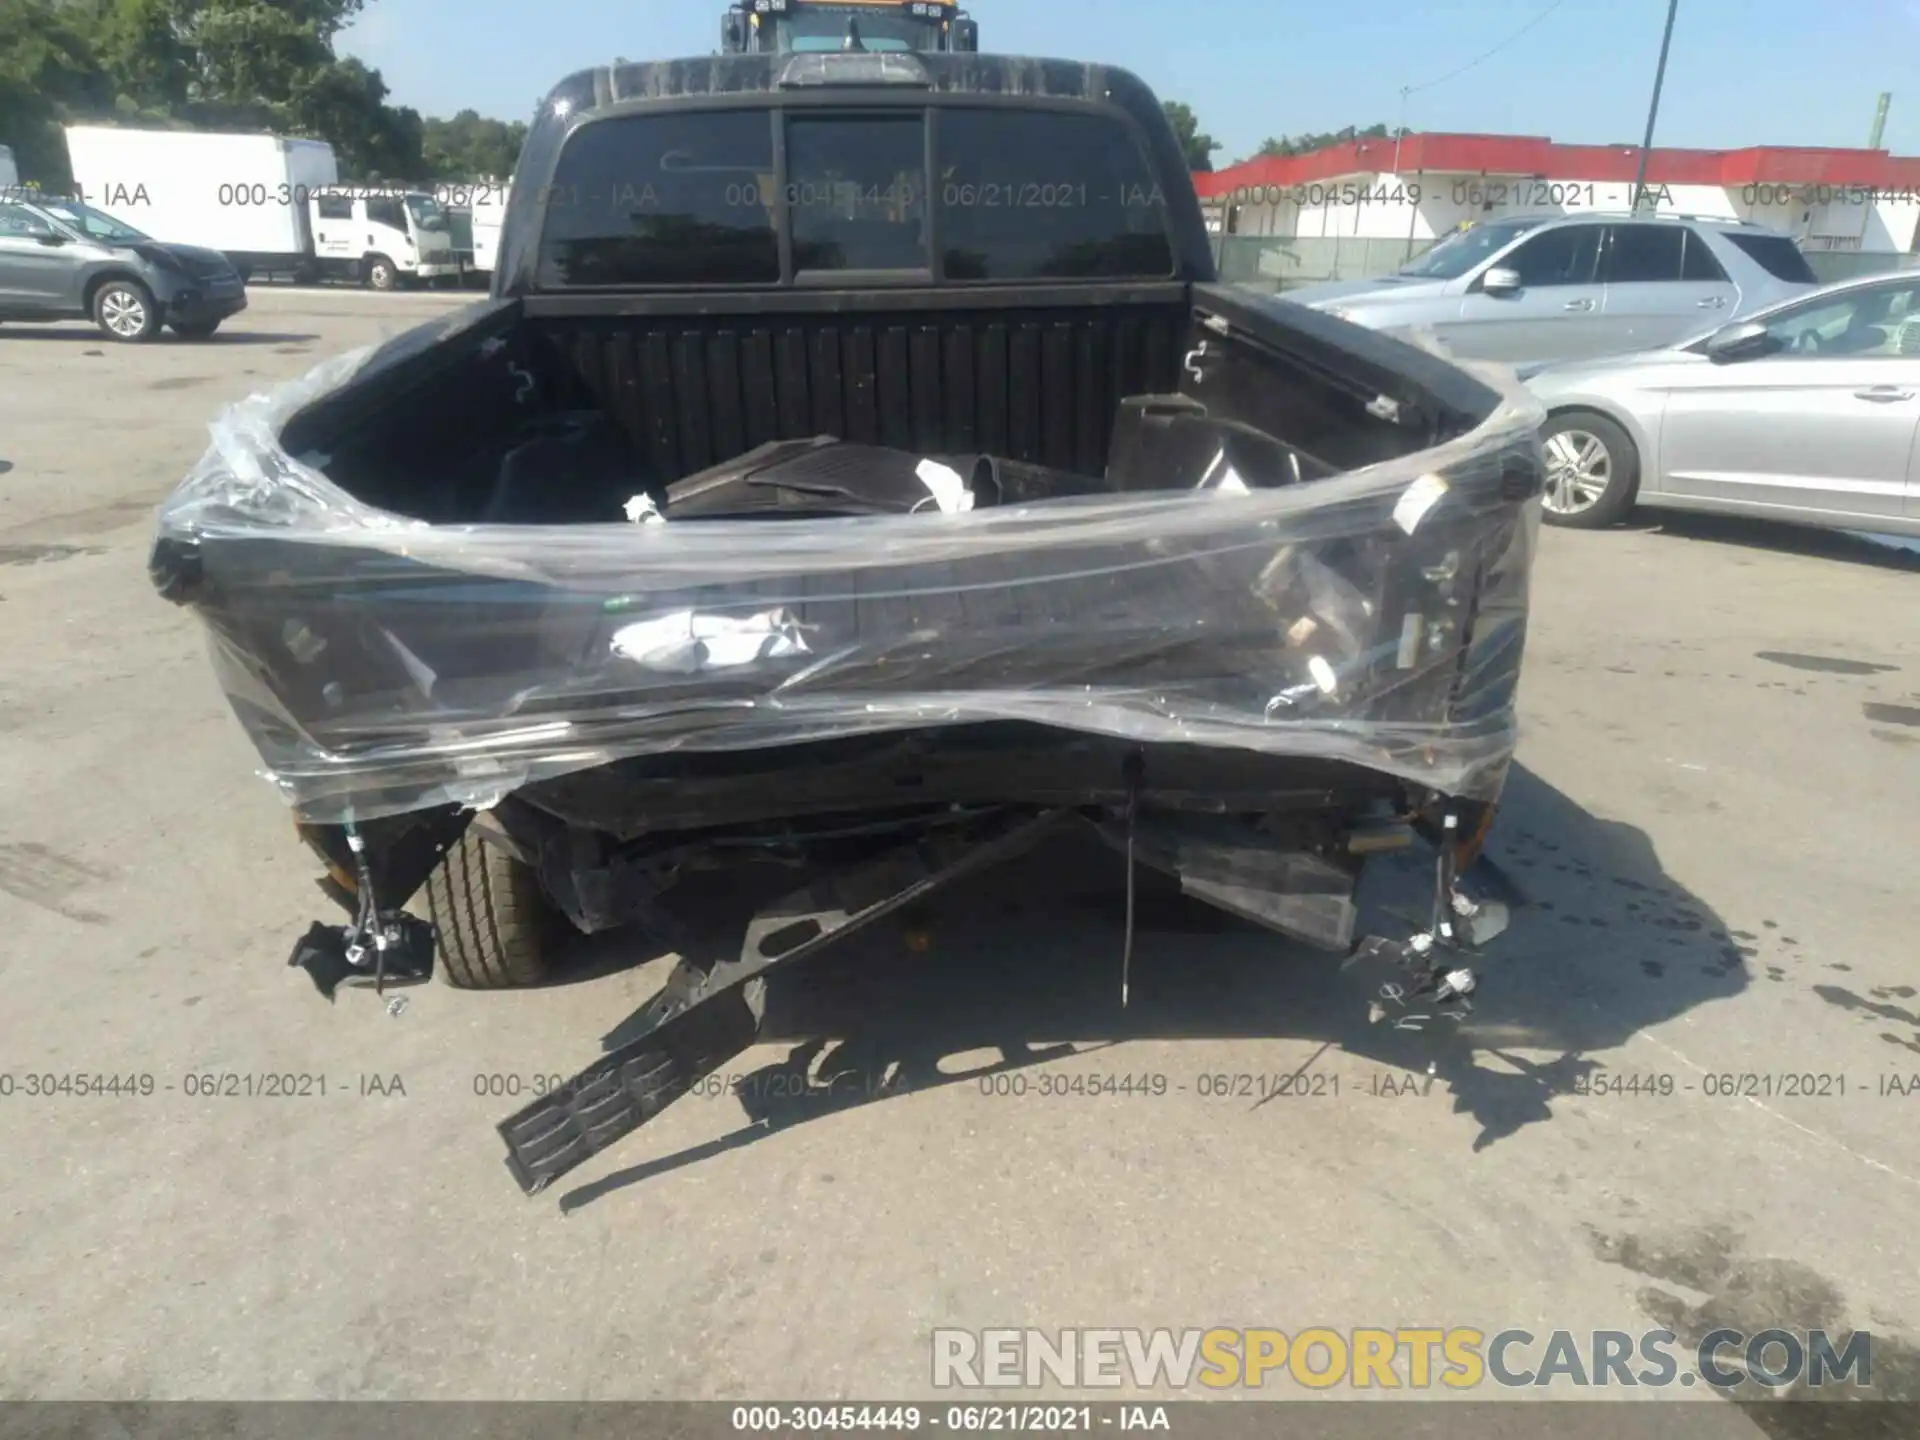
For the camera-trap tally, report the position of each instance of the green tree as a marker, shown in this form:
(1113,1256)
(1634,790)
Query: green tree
(228,64)
(346,105)
(1320,140)
(49,74)
(1199,146)
(215,59)
(148,62)
(472,147)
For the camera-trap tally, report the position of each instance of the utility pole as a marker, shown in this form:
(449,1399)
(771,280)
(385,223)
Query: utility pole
(1653,109)
(1879,120)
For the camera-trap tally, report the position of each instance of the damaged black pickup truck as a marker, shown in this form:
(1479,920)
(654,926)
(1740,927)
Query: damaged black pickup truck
(857,465)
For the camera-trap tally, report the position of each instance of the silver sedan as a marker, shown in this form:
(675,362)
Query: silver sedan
(1806,412)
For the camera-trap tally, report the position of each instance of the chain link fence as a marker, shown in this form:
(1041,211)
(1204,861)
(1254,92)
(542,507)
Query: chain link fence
(1281,262)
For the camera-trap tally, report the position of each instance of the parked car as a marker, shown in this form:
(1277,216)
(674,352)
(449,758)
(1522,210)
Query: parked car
(1538,288)
(952,517)
(64,260)
(1806,412)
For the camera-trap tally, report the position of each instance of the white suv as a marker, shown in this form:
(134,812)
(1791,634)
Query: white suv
(1565,287)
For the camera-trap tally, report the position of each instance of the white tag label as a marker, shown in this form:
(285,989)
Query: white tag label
(1410,641)
(1418,498)
(686,642)
(949,491)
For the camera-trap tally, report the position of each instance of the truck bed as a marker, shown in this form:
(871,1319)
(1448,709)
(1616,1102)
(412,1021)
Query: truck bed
(464,658)
(1032,376)
(1039,383)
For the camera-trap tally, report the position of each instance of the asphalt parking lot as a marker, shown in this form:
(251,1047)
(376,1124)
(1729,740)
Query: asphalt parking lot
(1713,817)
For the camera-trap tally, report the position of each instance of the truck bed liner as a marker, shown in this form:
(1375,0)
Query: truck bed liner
(695,391)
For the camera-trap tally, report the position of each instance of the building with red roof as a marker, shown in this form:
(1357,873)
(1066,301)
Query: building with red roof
(1421,187)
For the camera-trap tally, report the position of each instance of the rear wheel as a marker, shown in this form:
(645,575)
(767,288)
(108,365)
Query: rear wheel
(1593,471)
(124,311)
(497,930)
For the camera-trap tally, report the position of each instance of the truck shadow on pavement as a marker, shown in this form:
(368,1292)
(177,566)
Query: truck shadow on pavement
(81,330)
(1023,964)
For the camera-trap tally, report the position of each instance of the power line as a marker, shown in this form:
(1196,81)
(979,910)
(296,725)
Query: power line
(1406,90)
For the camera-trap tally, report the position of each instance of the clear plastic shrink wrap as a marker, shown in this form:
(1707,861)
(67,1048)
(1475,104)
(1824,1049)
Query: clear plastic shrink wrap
(382,664)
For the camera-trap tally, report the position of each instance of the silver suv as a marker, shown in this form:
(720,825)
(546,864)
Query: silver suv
(64,260)
(1565,287)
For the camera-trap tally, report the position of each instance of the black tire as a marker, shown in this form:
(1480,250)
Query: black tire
(125,312)
(382,273)
(1568,501)
(196,330)
(497,929)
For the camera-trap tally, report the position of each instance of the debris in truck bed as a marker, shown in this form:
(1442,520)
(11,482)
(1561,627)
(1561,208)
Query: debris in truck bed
(826,476)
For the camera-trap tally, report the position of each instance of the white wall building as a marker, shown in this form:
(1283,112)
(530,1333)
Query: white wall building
(1418,189)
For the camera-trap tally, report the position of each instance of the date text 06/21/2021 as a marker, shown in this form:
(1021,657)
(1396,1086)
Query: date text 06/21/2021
(198,1085)
(1014,1419)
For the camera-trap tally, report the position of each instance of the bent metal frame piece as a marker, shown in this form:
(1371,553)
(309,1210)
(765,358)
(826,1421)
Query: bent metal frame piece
(706,1016)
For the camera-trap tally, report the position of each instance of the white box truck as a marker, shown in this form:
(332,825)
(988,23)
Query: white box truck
(381,235)
(243,195)
(489,205)
(271,204)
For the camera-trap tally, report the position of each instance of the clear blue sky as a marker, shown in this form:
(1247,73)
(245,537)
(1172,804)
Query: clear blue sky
(1741,72)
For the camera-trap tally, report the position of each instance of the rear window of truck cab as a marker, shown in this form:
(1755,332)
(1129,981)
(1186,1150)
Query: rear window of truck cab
(956,193)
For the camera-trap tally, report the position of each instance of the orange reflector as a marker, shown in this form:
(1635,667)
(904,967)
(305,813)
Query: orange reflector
(310,838)
(1468,849)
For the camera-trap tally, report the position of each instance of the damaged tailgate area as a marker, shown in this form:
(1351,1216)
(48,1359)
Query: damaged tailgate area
(1256,619)
(1198,577)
